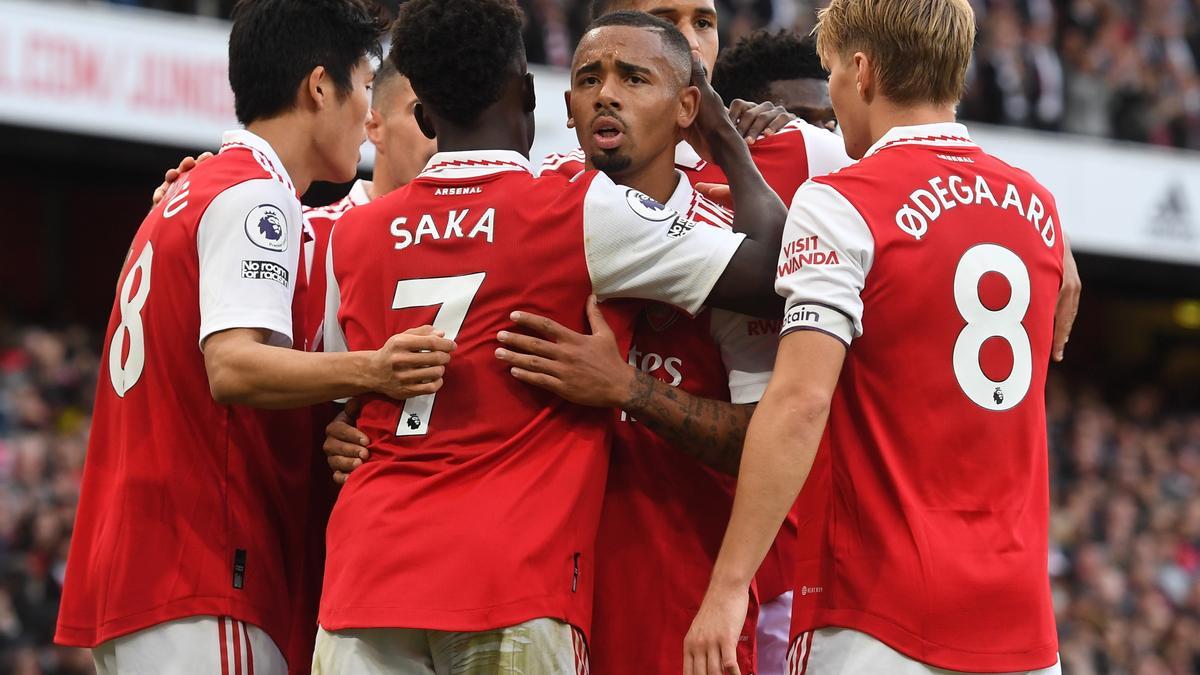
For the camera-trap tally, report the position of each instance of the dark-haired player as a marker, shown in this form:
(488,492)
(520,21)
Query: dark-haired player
(782,68)
(190,525)
(465,545)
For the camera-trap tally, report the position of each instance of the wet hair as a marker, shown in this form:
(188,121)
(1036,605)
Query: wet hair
(275,44)
(747,70)
(458,54)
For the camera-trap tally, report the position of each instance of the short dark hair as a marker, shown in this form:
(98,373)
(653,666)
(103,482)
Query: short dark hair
(602,7)
(385,80)
(457,53)
(676,44)
(275,44)
(747,70)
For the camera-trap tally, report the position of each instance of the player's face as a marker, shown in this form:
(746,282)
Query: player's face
(399,140)
(806,98)
(625,100)
(696,19)
(848,104)
(343,127)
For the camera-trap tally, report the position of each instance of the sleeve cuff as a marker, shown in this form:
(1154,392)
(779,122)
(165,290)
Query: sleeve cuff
(280,327)
(813,316)
(718,260)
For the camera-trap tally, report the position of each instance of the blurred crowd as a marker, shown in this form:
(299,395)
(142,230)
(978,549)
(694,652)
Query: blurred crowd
(1125,529)
(1123,69)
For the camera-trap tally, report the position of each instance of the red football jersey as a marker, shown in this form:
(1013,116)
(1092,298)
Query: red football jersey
(664,512)
(940,266)
(479,506)
(189,507)
(320,222)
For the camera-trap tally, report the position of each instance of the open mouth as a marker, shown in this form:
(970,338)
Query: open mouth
(608,132)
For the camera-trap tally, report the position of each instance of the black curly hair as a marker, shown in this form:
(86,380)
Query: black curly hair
(602,7)
(275,44)
(457,53)
(747,70)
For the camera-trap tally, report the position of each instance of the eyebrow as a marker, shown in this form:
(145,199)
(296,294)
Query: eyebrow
(704,11)
(625,67)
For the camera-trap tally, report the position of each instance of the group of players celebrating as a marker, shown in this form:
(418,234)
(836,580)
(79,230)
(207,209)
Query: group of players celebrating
(631,415)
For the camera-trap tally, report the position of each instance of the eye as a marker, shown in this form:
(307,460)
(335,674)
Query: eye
(637,79)
(589,80)
(704,24)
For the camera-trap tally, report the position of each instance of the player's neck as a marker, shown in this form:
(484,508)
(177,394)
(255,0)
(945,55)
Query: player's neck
(294,148)
(381,180)
(886,115)
(656,179)
(486,135)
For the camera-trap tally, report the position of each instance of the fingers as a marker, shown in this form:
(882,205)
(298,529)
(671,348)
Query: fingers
(420,375)
(204,156)
(407,342)
(343,464)
(352,410)
(421,389)
(424,330)
(738,108)
(533,364)
(528,344)
(699,72)
(759,125)
(746,121)
(729,662)
(713,660)
(540,380)
(340,477)
(717,192)
(596,318)
(779,123)
(547,327)
(340,430)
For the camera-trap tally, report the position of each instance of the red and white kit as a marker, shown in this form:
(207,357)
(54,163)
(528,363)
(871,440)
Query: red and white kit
(188,507)
(479,506)
(940,267)
(665,513)
(786,160)
(319,224)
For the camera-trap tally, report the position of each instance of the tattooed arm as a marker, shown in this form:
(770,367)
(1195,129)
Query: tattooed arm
(712,431)
(590,370)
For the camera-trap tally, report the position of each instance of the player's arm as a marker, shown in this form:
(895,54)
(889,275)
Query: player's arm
(245,369)
(1068,301)
(780,446)
(590,370)
(248,247)
(747,284)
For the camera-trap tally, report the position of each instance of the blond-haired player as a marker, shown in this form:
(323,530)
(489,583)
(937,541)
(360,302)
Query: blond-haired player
(921,286)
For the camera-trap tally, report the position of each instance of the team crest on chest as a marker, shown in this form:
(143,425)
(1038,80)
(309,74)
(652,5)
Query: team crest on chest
(266,227)
(661,317)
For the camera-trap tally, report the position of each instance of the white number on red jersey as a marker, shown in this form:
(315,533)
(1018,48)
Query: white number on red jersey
(455,295)
(984,324)
(125,370)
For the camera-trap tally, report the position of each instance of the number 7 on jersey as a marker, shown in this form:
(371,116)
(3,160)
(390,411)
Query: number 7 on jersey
(454,295)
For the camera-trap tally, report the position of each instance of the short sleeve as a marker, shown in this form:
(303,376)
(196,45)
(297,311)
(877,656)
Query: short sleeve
(827,253)
(638,248)
(826,151)
(248,245)
(333,338)
(748,348)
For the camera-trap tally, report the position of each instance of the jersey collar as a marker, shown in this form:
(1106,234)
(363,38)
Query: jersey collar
(474,164)
(686,157)
(262,151)
(358,193)
(681,199)
(942,135)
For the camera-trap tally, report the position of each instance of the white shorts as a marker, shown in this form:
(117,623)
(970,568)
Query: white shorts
(197,645)
(774,627)
(537,647)
(841,651)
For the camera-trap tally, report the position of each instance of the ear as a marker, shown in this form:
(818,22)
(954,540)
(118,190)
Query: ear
(689,107)
(864,76)
(530,93)
(423,121)
(375,130)
(570,117)
(319,88)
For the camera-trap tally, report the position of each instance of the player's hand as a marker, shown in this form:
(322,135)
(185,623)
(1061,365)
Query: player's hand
(754,121)
(345,446)
(718,192)
(1068,302)
(584,369)
(712,118)
(411,363)
(710,647)
(186,164)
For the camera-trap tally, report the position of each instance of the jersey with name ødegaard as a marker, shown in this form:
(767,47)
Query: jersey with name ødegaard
(479,506)
(189,507)
(940,266)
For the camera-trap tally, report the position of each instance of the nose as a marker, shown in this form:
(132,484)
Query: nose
(607,96)
(689,32)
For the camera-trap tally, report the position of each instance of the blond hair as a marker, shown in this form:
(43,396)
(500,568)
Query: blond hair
(920,49)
